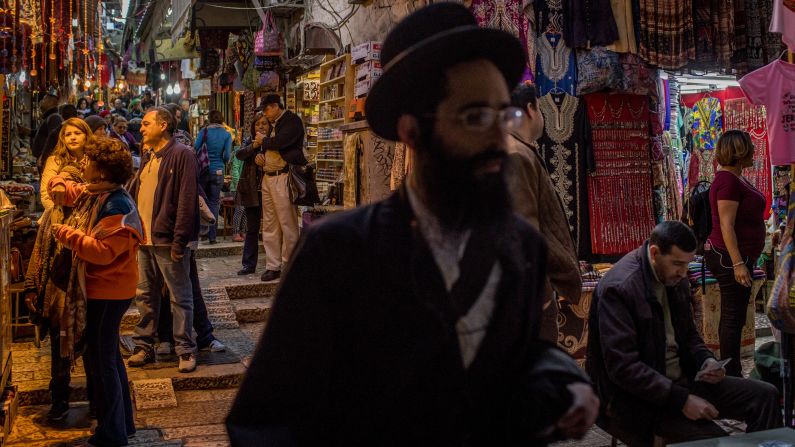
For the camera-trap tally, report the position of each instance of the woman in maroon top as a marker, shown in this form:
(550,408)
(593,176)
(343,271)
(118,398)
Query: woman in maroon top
(737,239)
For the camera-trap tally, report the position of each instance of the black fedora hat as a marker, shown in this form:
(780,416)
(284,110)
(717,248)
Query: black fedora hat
(424,44)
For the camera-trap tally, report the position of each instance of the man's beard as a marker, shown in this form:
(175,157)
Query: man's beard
(456,194)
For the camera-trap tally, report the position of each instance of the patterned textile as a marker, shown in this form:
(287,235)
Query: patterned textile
(506,15)
(763,46)
(567,151)
(597,69)
(706,312)
(573,325)
(556,65)
(740,58)
(707,123)
(666,32)
(714,32)
(637,78)
(548,16)
(620,189)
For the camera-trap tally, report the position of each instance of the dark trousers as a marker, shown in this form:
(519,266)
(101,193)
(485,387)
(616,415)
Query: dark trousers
(212,184)
(60,372)
(733,306)
(115,420)
(201,320)
(752,401)
(251,244)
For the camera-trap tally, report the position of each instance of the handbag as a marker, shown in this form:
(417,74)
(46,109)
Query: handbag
(269,81)
(302,186)
(202,156)
(268,40)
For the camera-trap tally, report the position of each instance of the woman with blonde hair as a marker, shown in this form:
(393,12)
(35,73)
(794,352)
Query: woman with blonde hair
(736,241)
(46,280)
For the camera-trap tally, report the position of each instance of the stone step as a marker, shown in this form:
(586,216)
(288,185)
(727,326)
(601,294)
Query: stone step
(252,310)
(221,249)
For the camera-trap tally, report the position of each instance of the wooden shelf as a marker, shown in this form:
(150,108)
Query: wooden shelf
(327,101)
(333,81)
(330,141)
(334,61)
(338,120)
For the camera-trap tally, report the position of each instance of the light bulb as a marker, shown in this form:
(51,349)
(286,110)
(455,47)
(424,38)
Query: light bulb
(162,76)
(170,90)
(23,76)
(121,85)
(88,83)
(177,90)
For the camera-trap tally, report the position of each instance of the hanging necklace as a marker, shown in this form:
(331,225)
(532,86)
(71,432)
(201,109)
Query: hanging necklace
(554,60)
(600,115)
(616,115)
(636,114)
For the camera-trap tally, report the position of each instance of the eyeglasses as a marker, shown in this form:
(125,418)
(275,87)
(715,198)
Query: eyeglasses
(481,119)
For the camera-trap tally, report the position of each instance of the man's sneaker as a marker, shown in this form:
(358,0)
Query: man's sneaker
(164,348)
(58,411)
(271,276)
(187,363)
(141,357)
(214,346)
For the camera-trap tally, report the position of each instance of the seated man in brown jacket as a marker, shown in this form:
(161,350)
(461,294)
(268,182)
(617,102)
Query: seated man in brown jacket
(650,366)
(533,192)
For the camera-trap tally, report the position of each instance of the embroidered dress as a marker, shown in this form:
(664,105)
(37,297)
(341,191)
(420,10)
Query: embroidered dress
(714,32)
(556,65)
(620,189)
(707,123)
(566,149)
(548,16)
(763,46)
(506,15)
(666,32)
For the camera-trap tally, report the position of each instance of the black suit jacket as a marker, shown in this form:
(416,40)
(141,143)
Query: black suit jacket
(289,139)
(360,348)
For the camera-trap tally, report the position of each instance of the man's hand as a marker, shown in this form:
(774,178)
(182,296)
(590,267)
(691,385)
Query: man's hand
(30,302)
(58,194)
(177,255)
(582,414)
(714,376)
(258,140)
(697,408)
(260,160)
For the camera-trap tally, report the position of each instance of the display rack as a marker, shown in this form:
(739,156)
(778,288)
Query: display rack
(307,107)
(337,78)
(8,393)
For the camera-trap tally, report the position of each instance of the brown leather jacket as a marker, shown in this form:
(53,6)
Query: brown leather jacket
(535,199)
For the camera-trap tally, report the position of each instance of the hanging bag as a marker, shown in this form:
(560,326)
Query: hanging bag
(302,186)
(268,40)
(202,156)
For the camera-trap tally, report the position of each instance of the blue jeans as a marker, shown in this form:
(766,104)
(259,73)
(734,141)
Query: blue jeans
(212,183)
(201,320)
(156,269)
(115,419)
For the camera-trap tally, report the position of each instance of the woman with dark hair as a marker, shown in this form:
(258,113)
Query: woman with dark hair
(736,241)
(248,193)
(82,106)
(219,148)
(94,109)
(103,233)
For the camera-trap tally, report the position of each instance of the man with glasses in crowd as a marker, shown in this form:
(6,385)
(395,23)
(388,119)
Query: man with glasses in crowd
(414,321)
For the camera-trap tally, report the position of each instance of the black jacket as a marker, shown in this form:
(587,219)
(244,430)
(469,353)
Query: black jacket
(360,349)
(289,139)
(248,186)
(175,214)
(626,344)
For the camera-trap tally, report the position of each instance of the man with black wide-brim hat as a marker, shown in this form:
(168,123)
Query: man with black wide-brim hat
(414,321)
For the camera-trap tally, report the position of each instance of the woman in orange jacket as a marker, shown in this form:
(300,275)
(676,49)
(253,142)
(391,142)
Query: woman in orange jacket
(103,232)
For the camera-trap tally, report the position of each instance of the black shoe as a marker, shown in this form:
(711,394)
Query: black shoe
(213,242)
(58,411)
(246,271)
(271,276)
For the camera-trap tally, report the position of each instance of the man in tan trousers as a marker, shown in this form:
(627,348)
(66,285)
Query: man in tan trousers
(280,147)
(533,192)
